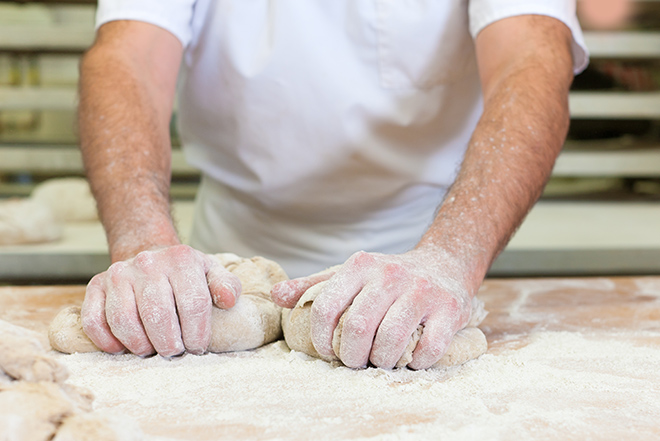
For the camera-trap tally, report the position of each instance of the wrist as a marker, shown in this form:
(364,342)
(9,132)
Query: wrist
(127,244)
(466,264)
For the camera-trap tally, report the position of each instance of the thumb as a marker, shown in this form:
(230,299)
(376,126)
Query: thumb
(225,287)
(287,293)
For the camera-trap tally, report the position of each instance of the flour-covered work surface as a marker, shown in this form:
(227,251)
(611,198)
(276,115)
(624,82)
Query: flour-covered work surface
(567,359)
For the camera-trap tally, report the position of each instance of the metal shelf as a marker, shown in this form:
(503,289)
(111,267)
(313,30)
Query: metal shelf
(621,163)
(556,239)
(51,38)
(63,160)
(615,105)
(626,45)
(38,98)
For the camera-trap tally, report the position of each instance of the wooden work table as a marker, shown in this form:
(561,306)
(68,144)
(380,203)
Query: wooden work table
(568,359)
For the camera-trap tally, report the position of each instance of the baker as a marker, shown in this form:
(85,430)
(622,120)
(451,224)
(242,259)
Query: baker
(420,132)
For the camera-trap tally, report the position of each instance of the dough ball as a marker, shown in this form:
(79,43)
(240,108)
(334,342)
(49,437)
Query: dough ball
(24,221)
(252,322)
(296,324)
(66,332)
(70,199)
(467,344)
(22,356)
(255,320)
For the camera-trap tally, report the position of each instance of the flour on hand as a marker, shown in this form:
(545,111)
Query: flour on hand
(252,322)
(467,344)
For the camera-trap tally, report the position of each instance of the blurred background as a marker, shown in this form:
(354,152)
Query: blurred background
(598,215)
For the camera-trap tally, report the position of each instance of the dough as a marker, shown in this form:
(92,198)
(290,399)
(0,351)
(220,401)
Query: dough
(252,322)
(22,356)
(24,221)
(32,411)
(467,344)
(69,199)
(98,426)
(36,404)
(66,333)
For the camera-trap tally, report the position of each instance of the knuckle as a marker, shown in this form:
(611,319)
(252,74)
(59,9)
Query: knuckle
(396,334)
(92,322)
(116,271)
(182,253)
(152,314)
(116,322)
(392,268)
(144,260)
(362,259)
(194,304)
(393,274)
(451,303)
(97,280)
(356,325)
(322,312)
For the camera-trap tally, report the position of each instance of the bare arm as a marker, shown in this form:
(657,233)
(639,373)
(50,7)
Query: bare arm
(525,66)
(127,90)
(526,70)
(157,294)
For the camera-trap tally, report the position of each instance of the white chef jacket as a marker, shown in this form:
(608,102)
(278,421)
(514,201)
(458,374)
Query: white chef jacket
(323,127)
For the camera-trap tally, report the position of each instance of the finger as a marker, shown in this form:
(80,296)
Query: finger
(335,297)
(193,303)
(434,342)
(395,332)
(122,313)
(286,294)
(368,309)
(224,286)
(157,310)
(93,317)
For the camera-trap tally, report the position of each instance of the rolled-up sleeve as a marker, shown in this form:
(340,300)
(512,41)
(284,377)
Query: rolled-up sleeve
(484,12)
(174,16)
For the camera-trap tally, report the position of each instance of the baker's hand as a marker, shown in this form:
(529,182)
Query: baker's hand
(158,301)
(389,297)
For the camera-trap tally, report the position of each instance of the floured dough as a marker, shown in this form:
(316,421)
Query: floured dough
(23,357)
(66,332)
(69,199)
(255,320)
(468,343)
(24,221)
(32,411)
(252,322)
(98,426)
(36,404)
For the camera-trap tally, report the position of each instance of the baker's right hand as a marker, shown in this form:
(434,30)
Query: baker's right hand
(158,301)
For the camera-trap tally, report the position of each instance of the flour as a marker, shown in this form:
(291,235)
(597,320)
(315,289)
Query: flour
(544,386)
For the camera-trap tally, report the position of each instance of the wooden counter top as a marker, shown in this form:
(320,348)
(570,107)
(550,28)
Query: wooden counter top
(568,359)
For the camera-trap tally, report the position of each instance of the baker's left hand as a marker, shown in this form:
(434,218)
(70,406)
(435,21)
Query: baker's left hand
(389,297)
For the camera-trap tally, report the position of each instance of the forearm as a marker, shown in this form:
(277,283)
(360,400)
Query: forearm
(508,161)
(124,137)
